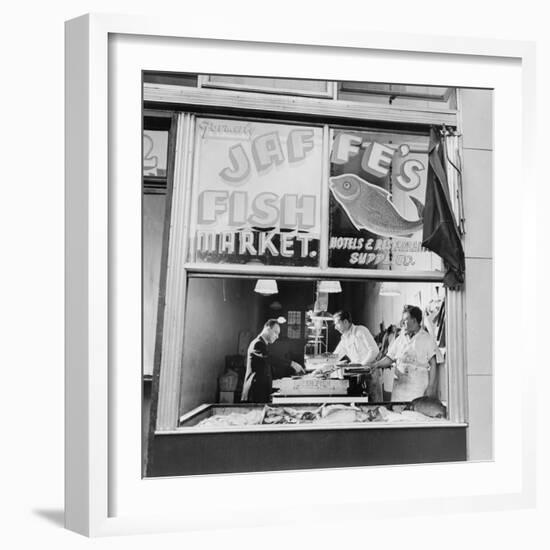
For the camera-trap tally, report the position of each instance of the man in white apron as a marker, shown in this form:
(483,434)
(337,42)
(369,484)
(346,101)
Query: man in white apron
(415,354)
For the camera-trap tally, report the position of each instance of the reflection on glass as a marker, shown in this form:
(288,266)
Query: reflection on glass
(155,153)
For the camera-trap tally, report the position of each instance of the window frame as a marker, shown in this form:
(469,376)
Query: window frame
(188,104)
(385,90)
(208,81)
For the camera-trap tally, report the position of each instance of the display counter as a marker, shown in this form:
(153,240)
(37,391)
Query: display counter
(340,384)
(299,385)
(252,438)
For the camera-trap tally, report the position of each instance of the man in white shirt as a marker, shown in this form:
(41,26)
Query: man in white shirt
(358,345)
(356,341)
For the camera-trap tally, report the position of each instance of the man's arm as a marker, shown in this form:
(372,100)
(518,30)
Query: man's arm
(298,369)
(389,359)
(383,363)
(258,355)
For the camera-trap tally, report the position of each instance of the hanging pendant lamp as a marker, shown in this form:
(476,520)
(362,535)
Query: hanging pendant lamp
(266,287)
(330,287)
(389,288)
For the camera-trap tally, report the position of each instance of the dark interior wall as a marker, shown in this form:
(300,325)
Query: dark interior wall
(380,309)
(292,296)
(218,310)
(353,298)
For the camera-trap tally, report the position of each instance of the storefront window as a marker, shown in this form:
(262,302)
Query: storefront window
(436,97)
(155,153)
(300,232)
(260,193)
(378,188)
(332,373)
(155,161)
(256,193)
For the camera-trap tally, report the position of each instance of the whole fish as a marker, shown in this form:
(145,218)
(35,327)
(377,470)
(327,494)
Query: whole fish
(370,207)
(430,406)
(340,416)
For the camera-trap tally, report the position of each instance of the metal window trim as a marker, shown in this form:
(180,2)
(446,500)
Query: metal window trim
(170,392)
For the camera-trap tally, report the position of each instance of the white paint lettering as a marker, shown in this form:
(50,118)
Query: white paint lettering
(211,205)
(298,211)
(239,170)
(345,145)
(267,151)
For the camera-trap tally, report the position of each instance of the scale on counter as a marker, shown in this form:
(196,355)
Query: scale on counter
(317,332)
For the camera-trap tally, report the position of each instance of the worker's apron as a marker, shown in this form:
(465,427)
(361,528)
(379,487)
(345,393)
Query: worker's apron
(411,382)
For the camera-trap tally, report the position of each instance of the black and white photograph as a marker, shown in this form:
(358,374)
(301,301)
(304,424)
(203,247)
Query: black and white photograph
(317,262)
(274,274)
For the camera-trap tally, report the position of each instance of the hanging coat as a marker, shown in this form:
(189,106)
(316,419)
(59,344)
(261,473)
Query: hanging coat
(440,233)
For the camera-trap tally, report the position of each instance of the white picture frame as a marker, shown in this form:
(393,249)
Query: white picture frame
(105,54)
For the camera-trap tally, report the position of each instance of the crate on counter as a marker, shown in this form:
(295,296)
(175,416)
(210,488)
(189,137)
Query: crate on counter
(311,386)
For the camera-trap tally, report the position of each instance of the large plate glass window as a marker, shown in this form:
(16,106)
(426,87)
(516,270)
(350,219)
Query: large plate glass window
(157,156)
(256,193)
(377,195)
(155,153)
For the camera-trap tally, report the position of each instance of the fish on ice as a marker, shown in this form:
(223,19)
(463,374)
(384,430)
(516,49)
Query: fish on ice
(430,406)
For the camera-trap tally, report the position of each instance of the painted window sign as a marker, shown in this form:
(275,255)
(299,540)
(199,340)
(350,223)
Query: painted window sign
(155,153)
(256,193)
(377,192)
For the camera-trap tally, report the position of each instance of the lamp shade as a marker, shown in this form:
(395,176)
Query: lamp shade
(329,286)
(389,289)
(266,287)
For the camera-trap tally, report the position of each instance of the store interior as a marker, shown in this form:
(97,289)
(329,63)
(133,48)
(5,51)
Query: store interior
(224,314)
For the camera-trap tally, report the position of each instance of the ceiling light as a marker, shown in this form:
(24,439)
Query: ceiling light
(266,287)
(329,286)
(389,289)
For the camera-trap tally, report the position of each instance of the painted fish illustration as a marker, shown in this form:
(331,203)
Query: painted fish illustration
(370,207)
